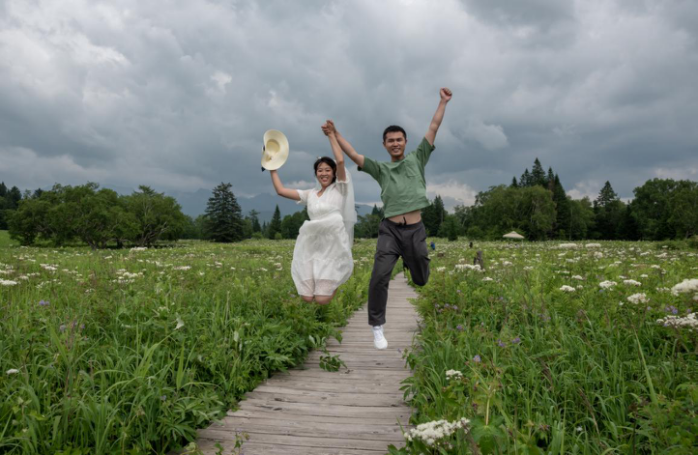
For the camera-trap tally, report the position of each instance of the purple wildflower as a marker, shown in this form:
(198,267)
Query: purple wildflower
(671,309)
(501,344)
(459,327)
(44,303)
(477,358)
(516,340)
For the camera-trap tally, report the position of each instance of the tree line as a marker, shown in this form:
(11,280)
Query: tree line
(535,205)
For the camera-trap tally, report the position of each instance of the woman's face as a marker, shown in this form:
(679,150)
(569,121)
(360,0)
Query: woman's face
(324,174)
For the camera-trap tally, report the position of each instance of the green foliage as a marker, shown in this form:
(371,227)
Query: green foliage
(274,226)
(223,219)
(367,226)
(433,217)
(131,351)
(545,371)
(95,217)
(5,240)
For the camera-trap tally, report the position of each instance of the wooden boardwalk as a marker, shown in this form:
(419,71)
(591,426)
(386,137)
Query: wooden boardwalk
(309,411)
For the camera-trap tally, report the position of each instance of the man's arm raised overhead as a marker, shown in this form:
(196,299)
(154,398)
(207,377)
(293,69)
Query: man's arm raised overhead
(344,144)
(438,116)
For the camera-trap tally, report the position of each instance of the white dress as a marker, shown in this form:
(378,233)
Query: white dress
(322,258)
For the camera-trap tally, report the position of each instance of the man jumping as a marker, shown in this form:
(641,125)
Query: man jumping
(404,195)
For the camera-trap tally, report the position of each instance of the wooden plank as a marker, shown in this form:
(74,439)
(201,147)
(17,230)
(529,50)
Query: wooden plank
(344,399)
(345,420)
(358,410)
(300,441)
(208,446)
(315,430)
(237,423)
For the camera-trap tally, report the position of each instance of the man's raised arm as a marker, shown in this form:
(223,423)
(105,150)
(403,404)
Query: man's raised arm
(344,144)
(438,116)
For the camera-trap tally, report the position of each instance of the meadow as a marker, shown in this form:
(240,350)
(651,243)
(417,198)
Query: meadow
(551,348)
(557,349)
(130,351)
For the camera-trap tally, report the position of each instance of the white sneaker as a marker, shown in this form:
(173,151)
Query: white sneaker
(379,340)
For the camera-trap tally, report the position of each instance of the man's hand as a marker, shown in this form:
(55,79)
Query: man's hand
(446,94)
(328,128)
(438,116)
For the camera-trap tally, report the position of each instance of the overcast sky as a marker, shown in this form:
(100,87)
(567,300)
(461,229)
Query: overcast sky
(177,94)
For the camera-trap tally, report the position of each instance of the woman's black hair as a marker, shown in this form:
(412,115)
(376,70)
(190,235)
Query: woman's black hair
(328,161)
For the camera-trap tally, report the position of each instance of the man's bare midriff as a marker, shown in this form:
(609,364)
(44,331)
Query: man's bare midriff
(412,217)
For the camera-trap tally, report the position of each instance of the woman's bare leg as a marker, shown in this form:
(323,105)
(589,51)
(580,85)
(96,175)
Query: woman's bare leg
(324,299)
(307,298)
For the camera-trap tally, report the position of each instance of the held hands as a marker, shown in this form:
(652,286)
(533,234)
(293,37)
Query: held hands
(446,94)
(328,128)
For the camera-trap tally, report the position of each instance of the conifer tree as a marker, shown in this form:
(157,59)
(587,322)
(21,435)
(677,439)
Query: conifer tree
(538,174)
(275,224)
(514,183)
(223,216)
(525,179)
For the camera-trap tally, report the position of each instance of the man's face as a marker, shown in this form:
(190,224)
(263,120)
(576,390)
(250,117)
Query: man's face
(395,143)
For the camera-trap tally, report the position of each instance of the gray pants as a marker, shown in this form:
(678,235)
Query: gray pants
(394,241)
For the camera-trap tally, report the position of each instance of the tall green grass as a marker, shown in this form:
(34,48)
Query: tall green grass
(130,352)
(5,240)
(546,371)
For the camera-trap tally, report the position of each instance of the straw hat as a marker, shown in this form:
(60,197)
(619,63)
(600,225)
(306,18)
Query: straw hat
(275,150)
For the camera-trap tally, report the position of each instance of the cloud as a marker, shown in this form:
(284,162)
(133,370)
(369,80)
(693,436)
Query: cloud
(491,137)
(132,93)
(461,193)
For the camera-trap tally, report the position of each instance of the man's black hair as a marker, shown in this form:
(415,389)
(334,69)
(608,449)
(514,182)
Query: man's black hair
(394,129)
(328,161)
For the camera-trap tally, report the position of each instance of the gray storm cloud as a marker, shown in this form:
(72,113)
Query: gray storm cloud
(178,98)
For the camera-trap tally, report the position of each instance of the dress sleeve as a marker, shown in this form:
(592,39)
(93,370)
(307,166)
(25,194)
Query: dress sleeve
(303,196)
(343,185)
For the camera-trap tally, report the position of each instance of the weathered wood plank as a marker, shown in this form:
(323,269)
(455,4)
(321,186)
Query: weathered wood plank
(306,410)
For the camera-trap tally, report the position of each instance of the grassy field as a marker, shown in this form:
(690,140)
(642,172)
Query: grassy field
(557,349)
(5,240)
(551,349)
(129,351)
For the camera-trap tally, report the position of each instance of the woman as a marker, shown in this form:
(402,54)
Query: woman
(322,258)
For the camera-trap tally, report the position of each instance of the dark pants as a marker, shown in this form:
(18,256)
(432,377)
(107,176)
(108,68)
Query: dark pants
(394,241)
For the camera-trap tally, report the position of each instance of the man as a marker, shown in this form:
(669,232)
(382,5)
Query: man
(404,195)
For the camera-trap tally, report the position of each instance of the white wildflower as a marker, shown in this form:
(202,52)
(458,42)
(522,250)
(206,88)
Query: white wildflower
(685,286)
(577,277)
(487,279)
(607,284)
(598,254)
(441,269)
(180,323)
(593,245)
(454,374)
(638,298)
(567,245)
(566,288)
(7,283)
(182,267)
(11,371)
(632,283)
(432,432)
(690,322)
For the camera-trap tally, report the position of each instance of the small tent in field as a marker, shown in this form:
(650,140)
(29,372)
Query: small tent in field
(513,235)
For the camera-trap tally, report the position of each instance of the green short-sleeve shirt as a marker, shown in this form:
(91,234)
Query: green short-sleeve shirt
(403,186)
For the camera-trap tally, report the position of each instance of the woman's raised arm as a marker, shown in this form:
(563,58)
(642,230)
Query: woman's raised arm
(281,190)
